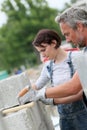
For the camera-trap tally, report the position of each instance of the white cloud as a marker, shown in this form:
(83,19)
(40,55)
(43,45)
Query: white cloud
(3,18)
(59,4)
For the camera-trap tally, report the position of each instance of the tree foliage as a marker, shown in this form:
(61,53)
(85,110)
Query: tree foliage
(25,18)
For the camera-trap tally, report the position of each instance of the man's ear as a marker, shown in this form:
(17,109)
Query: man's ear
(80,26)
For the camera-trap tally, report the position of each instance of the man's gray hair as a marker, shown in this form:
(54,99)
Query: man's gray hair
(73,15)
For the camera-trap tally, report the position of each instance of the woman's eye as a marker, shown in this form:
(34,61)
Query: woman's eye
(43,50)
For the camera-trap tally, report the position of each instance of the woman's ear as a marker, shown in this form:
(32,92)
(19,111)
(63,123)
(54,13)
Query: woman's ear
(54,42)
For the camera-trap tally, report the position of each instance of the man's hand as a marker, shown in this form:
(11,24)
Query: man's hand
(32,95)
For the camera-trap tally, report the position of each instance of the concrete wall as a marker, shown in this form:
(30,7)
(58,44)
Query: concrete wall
(34,118)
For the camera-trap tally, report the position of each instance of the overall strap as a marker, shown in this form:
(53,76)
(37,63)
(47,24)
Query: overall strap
(70,64)
(50,70)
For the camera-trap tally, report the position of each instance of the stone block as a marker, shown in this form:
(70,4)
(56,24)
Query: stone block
(35,118)
(10,87)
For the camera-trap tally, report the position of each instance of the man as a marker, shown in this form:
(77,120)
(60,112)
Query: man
(73,24)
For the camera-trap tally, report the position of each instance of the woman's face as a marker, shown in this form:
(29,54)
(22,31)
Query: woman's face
(47,50)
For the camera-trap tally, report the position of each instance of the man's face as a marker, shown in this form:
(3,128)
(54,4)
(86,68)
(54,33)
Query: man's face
(72,35)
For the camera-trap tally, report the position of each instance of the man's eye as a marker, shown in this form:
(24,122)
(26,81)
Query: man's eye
(67,34)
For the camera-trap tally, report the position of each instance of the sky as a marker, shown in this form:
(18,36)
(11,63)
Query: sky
(59,4)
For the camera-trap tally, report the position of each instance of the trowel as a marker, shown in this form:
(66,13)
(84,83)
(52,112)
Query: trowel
(19,106)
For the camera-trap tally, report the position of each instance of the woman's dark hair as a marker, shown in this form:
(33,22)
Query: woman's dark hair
(46,36)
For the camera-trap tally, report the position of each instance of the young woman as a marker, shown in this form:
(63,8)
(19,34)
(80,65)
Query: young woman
(59,69)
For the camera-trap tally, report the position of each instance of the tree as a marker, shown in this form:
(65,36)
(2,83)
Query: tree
(24,21)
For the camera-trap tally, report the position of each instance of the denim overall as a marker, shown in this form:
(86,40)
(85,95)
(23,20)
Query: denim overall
(73,116)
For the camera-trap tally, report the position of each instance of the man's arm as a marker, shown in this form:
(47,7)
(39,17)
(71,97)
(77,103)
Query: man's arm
(71,87)
(69,99)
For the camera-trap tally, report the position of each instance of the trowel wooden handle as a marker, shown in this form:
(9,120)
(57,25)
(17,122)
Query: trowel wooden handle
(14,109)
(23,92)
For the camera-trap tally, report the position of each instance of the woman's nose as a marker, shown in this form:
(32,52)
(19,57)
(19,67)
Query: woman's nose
(68,40)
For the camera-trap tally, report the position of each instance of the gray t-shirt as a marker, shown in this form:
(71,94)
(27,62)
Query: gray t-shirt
(61,71)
